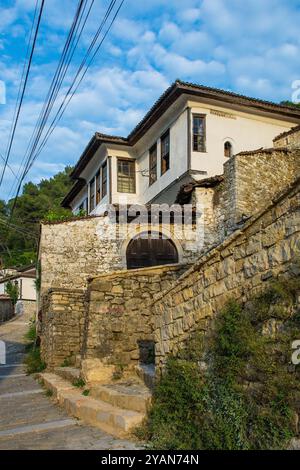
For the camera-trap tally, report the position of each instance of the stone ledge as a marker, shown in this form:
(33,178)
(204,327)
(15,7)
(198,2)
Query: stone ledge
(139,271)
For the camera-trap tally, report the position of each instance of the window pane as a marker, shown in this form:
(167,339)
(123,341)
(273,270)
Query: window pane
(92,194)
(126,176)
(199,134)
(104,179)
(165,152)
(153,164)
(98,187)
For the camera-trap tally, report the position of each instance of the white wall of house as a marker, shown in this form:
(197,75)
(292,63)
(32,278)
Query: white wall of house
(27,289)
(244,129)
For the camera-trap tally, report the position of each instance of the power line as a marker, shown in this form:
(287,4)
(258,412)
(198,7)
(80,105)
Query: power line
(70,93)
(8,166)
(30,158)
(22,76)
(17,228)
(54,88)
(57,79)
(23,90)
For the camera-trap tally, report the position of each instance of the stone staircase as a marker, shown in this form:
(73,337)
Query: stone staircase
(115,407)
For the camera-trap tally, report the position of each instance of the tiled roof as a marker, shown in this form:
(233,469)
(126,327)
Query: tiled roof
(185,191)
(263,150)
(170,95)
(287,133)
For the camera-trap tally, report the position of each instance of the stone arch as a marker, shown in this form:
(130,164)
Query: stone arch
(229,147)
(163,248)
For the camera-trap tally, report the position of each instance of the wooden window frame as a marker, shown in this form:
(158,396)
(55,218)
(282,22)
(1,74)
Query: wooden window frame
(98,186)
(164,157)
(104,181)
(230,149)
(133,162)
(203,148)
(92,183)
(153,167)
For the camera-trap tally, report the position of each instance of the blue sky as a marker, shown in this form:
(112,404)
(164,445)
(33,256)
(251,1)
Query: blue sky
(250,46)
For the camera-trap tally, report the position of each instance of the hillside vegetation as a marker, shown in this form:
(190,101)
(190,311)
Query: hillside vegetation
(237,389)
(18,245)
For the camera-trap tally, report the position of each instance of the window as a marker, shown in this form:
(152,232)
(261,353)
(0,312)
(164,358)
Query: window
(104,180)
(82,209)
(126,176)
(98,188)
(165,152)
(199,134)
(153,164)
(92,194)
(228,149)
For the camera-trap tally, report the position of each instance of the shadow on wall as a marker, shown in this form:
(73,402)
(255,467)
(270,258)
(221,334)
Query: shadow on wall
(6,309)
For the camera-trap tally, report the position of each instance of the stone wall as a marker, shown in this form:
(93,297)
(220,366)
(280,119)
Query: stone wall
(260,176)
(289,139)
(73,251)
(27,308)
(6,309)
(250,181)
(119,328)
(267,245)
(62,325)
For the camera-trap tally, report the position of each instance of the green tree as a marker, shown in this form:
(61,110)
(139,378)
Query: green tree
(12,290)
(18,245)
(290,103)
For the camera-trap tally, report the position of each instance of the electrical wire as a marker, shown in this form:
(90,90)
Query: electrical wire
(71,91)
(23,90)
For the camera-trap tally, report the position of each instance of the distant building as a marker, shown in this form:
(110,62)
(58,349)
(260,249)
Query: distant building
(25,279)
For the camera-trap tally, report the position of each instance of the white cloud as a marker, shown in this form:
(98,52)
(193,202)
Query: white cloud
(252,47)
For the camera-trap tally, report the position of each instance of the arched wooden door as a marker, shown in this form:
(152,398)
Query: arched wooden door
(145,251)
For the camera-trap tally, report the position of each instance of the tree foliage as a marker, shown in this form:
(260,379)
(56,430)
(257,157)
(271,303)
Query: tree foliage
(19,247)
(290,103)
(12,290)
(246,396)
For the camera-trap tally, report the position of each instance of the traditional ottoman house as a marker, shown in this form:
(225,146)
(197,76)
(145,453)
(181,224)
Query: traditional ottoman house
(120,291)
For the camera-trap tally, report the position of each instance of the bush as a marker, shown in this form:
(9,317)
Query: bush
(245,398)
(33,361)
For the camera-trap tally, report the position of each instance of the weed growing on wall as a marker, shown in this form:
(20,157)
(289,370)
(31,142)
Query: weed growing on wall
(33,360)
(246,395)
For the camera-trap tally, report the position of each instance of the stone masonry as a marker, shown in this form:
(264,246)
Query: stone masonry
(119,323)
(267,245)
(62,325)
(73,251)
(93,307)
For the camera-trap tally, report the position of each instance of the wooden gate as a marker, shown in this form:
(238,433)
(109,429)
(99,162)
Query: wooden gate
(145,251)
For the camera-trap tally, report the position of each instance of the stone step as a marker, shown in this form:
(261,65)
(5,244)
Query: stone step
(109,418)
(68,373)
(128,395)
(146,373)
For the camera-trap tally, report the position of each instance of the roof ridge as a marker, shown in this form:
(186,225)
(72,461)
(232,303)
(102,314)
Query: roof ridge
(287,133)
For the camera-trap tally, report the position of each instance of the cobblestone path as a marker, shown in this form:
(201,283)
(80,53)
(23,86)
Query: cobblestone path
(31,420)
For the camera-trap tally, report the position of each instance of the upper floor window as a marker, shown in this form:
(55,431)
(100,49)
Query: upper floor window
(104,180)
(165,152)
(126,176)
(153,164)
(199,133)
(98,187)
(92,195)
(228,149)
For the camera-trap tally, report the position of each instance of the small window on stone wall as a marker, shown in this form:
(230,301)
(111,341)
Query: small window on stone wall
(147,351)
(228,149)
